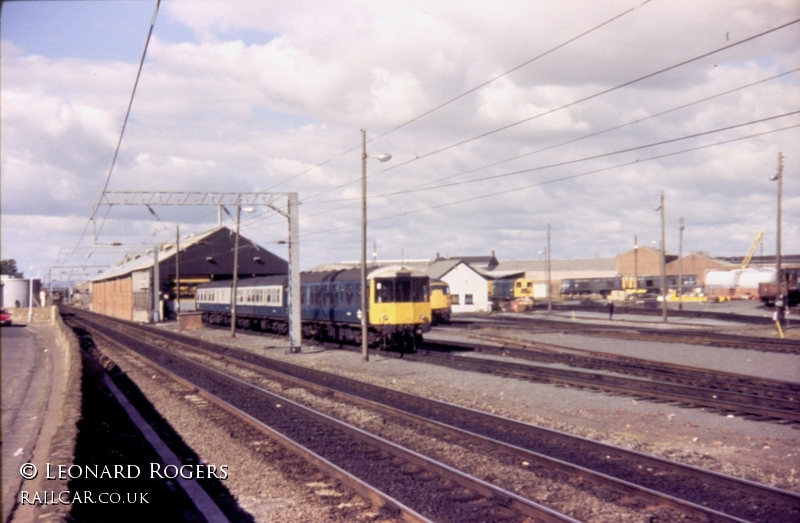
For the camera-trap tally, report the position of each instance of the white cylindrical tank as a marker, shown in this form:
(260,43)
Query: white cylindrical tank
(723,279)
(17,290)
(750,278)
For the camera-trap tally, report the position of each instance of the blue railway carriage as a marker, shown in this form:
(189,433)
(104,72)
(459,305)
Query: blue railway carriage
(260,305)
(398,305)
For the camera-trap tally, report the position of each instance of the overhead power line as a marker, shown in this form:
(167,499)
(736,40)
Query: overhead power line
(556,180)
(124,124)
(592,96)
(570,104)
(469,91)
(558,164)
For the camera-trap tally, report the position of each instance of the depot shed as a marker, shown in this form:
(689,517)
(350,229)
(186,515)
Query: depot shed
(126,291)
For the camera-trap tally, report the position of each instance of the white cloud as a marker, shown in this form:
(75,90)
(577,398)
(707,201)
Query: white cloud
(223,113)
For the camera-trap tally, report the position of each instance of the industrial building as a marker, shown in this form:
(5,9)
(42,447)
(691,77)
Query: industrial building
(126,291)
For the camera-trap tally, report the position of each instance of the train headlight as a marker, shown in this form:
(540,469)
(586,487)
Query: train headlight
(385,317)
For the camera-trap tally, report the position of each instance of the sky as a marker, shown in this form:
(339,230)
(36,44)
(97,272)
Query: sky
(501,117)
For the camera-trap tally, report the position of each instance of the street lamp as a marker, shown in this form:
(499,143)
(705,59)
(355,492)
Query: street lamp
(779,291)
(636,264)
(549,272)
(663,262)
(680,268)
(364,291)
(236,266)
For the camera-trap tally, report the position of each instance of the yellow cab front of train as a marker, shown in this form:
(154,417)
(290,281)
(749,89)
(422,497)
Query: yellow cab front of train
(441,302)
(523,288)
(399,301)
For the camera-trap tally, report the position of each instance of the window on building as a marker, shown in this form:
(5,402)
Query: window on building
(454,299)
(468,299)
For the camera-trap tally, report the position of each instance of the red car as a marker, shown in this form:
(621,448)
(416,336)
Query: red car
(5,317)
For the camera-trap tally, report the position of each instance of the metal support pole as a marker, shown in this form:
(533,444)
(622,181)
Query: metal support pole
(235,271)
(364,290)
(636,264)
(156,287)
(780,297)
(680,268)
(663,263)
(177,270)
(549,274)
(295,322)
(30,299)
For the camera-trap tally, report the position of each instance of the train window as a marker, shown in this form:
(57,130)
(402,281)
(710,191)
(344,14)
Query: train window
(384,291)
(403,290)
(519,284)
(348,293)
(419,290)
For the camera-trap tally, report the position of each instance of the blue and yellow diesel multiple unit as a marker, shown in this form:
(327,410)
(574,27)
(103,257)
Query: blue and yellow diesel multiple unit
(441,302)
(398,305)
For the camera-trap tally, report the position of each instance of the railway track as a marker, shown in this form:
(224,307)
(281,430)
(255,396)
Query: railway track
(706,378)
(695,337)
(728,499)
(393,477)
(741,397)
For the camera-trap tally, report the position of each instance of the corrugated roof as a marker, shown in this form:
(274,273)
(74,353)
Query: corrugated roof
(440,268)
(142,261)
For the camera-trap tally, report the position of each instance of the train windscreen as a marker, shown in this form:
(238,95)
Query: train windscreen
(401,290)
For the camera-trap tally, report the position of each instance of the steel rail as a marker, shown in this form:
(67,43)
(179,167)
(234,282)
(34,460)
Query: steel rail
(506,498)
(763,344)
(785,391)
(724,401)
(583,447)
(576,356)
(625,488)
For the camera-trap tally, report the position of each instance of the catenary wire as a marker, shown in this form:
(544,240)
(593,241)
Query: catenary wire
(555,180)
(570,104)
(465,93)
(122,131)
(265,217)
(564,163)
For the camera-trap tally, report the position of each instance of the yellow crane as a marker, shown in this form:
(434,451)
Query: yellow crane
(752,251)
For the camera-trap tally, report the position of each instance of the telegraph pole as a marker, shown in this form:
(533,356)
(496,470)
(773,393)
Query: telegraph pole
(663,262)
(781,299)
(549,276)
(177,270)
(680,268)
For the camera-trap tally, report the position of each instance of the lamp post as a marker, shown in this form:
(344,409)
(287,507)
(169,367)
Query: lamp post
(636,264)
(663,262)
(780,301)
(236,267)
(549,273)
(364,290)
(680,268)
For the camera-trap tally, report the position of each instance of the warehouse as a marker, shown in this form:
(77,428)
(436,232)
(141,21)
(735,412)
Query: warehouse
(126,291)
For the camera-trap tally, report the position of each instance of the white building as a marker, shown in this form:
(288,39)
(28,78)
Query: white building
(469,290)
